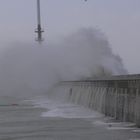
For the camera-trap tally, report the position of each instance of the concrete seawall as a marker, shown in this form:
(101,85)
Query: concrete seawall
(118,97)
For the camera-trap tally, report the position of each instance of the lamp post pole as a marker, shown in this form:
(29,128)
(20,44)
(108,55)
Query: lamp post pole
(39,30)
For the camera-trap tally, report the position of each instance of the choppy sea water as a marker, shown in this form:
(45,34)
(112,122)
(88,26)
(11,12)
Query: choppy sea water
(44,119)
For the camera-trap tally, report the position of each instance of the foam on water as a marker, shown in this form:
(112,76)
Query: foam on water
(135,139)
(108,124)
(64,110)
(137,130)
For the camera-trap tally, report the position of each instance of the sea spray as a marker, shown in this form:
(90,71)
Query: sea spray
(27,69)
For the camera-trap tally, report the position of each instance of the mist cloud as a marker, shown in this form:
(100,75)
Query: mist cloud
(26,68)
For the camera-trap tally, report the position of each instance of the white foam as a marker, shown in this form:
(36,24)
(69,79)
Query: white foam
(64,110)
(120,128)
(136,130)
(70,112)
(135,139)
(115,125)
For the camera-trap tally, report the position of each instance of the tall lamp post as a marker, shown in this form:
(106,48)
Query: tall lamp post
(39,30)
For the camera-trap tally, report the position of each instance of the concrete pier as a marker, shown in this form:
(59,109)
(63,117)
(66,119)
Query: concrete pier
(116,96)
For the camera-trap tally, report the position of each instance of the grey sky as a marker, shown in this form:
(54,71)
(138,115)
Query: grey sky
(118,19)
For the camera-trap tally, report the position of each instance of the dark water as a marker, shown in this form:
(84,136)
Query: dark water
(22,121)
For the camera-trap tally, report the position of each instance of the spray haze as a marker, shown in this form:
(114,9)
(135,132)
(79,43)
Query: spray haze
(27,69)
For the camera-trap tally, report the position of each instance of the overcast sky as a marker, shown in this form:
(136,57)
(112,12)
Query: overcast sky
(118,19)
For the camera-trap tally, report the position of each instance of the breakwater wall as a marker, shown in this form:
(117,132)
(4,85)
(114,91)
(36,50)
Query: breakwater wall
(116,96)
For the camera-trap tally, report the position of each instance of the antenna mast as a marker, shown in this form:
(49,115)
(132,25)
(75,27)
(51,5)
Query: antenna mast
(39,30)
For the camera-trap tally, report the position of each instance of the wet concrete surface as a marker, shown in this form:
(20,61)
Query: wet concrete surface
(24,122)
